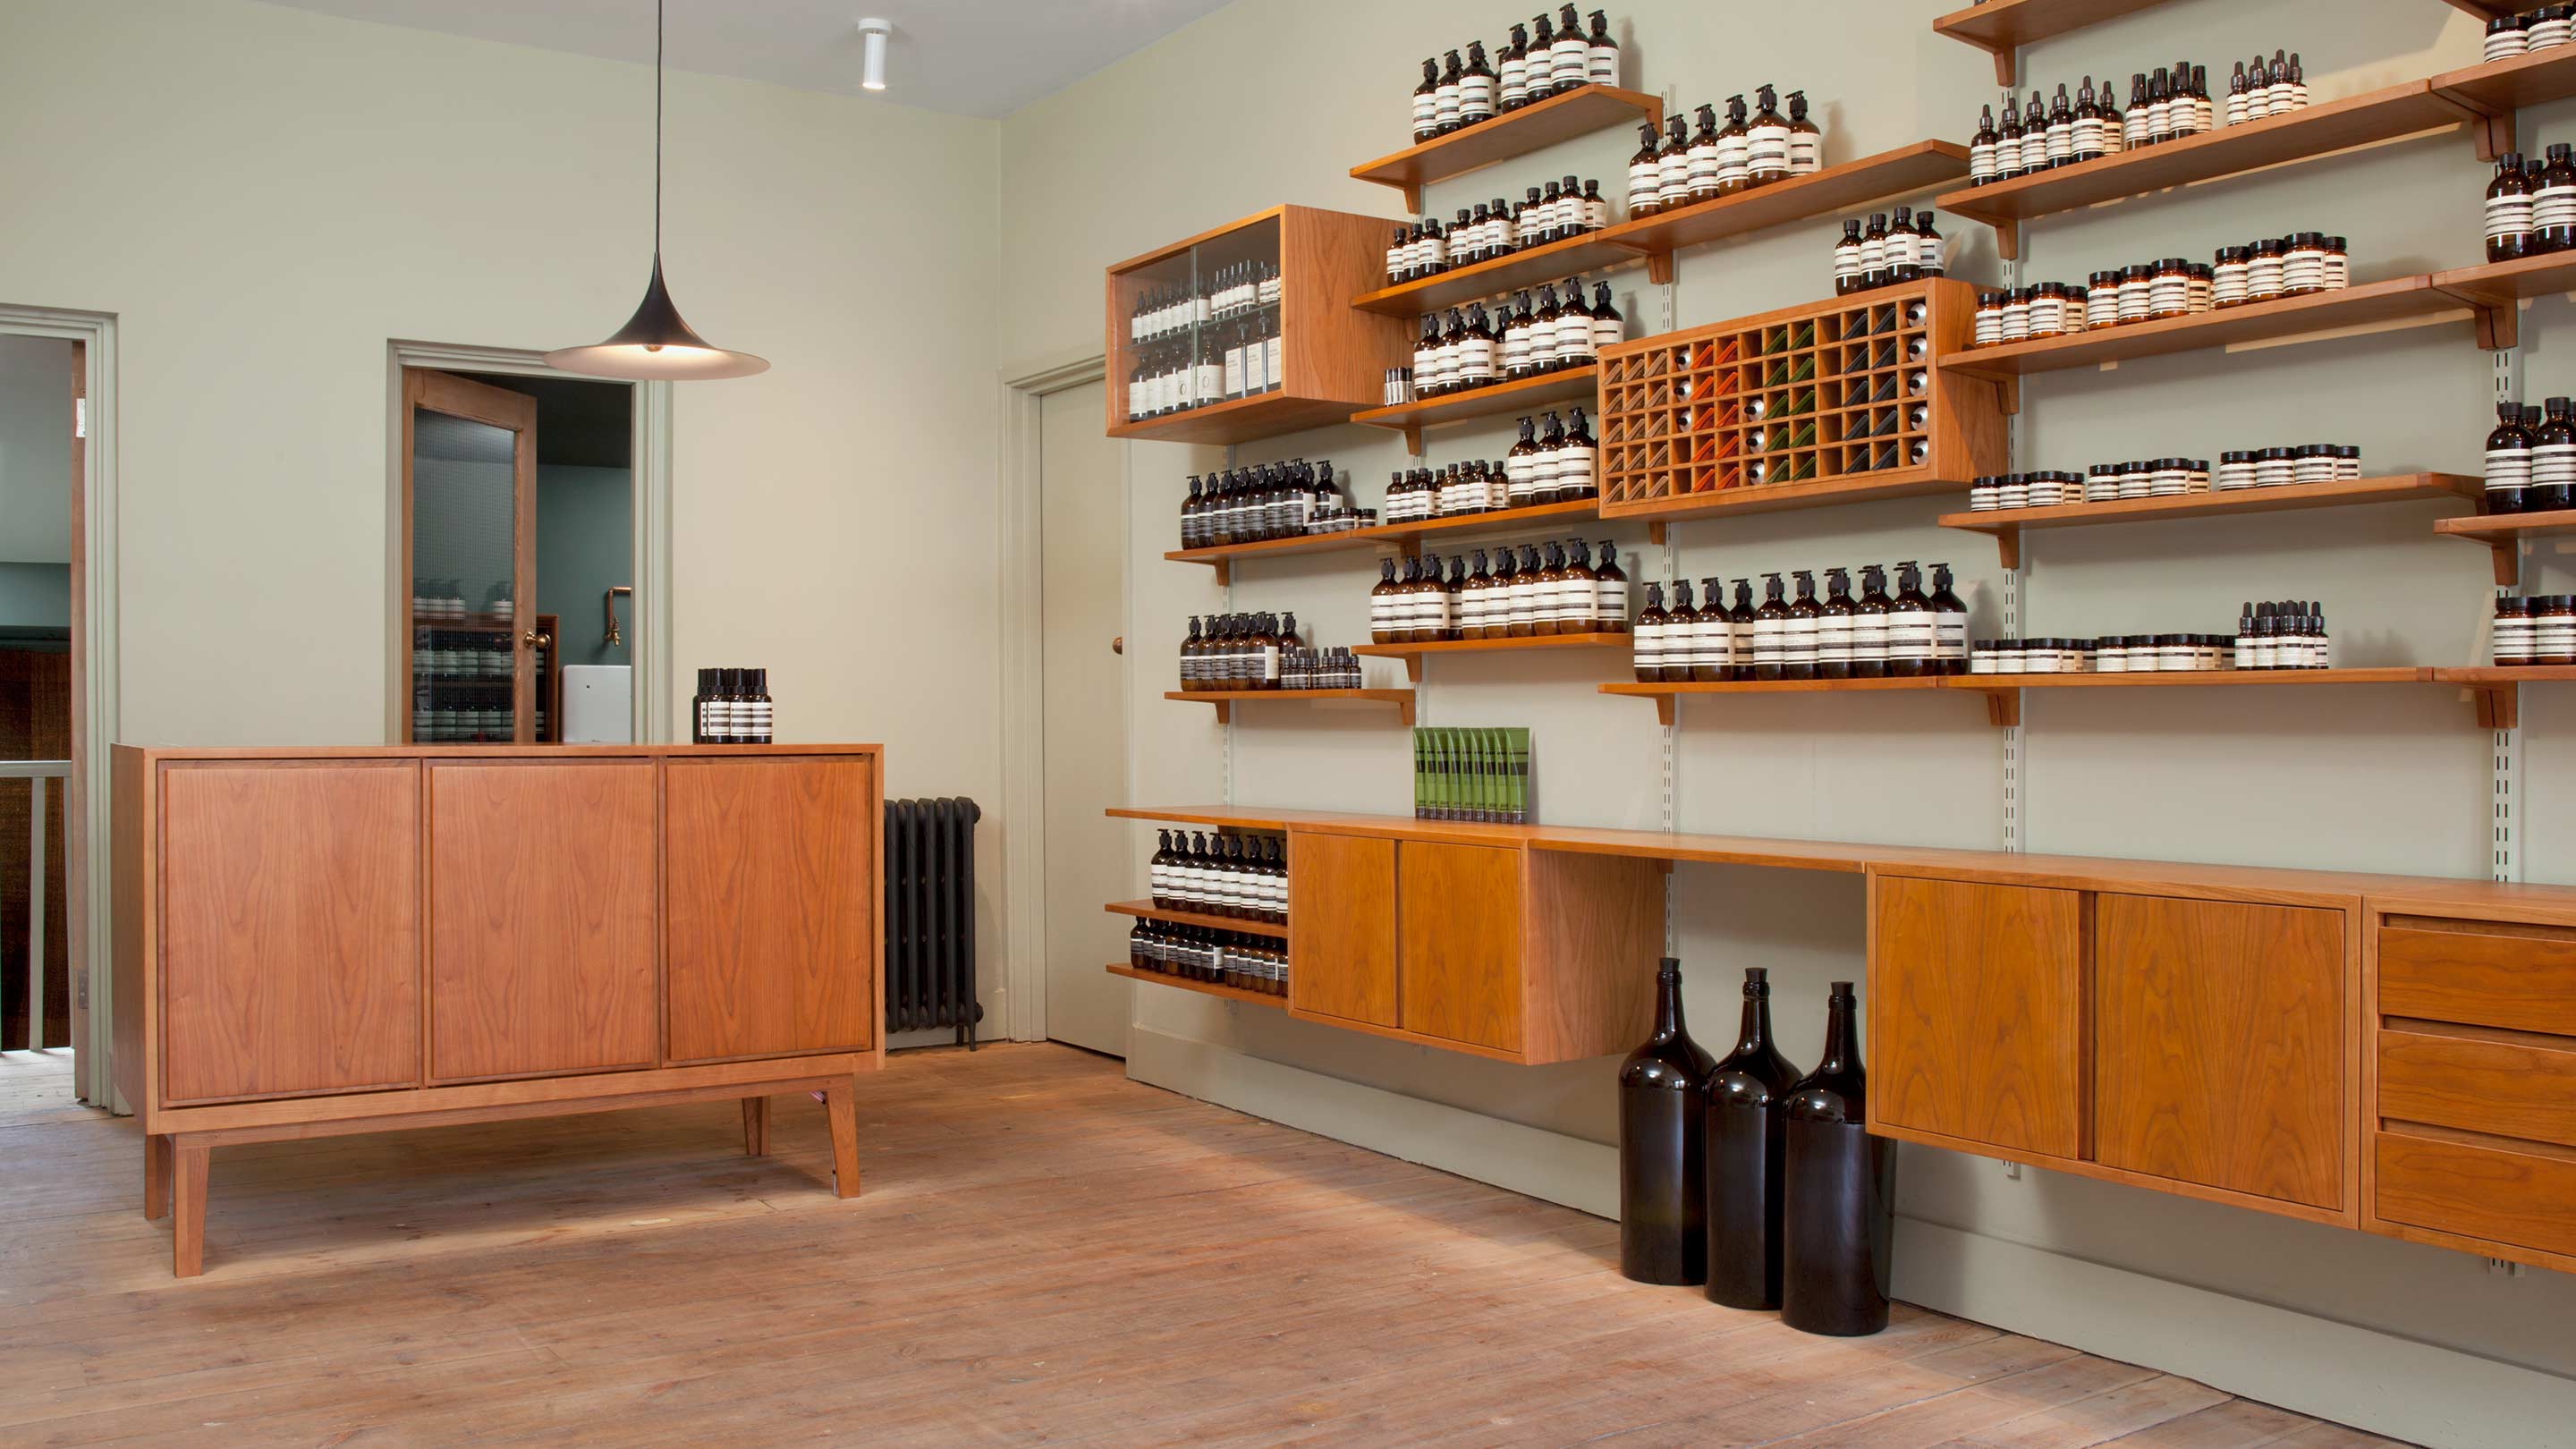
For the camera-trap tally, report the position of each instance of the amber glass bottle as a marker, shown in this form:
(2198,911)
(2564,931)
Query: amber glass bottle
(1837,1223)
(1663,1232)
(1746,1115)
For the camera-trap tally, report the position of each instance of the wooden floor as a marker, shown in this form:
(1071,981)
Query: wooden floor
(1045,1252)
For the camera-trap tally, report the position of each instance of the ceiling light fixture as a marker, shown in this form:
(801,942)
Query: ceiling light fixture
(655,344)
(872,67)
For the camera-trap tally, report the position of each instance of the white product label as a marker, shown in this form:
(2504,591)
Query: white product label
(1909,635)
(1601,63)
(1981,161)
(1648,650)
(1475,96)
(1426,113)
(1569,61)
(1734,155)
(1868,637)
(1798,641)
(1807,152)
(1950,635)
(1609,601)
(1834,639)
(1769,149)
(1712,641)
(1645,183)
(1605,332)
(2087,138)
(1515,71)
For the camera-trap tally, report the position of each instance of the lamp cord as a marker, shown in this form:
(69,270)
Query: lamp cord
(657,132)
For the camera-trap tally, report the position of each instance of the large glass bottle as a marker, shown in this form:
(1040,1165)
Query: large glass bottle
(1837,1222)
(1746,1114)
(1663,1233)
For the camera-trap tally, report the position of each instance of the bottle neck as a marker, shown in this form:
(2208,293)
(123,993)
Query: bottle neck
(1842,1040)
(1754,1036)
(1668,1006)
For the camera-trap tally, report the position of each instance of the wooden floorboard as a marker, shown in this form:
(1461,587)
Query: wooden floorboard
(1046,1252)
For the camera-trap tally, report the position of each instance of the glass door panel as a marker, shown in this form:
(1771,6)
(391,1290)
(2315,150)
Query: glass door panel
(470,478)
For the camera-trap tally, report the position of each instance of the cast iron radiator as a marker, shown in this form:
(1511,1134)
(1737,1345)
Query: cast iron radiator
(930,916)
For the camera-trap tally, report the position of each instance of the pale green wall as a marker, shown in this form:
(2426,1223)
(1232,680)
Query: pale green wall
(1280,104)
(585,544)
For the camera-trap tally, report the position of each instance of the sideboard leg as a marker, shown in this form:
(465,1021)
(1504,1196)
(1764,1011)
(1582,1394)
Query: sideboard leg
(156,1176)
(839,1101)
(188,1232)
(755,1126)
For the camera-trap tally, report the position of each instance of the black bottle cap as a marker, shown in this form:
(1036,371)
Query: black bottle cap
(1669,969)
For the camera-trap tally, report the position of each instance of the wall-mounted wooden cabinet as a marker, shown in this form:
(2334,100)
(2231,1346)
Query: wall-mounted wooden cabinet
(1281,280)
(1495,950)
(2200,1045)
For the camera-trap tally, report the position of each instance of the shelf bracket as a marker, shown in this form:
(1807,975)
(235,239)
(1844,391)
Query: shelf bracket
(2494,135)
(1413,439)
(2008,544)
(1404,709)
(1224,710)
(2008,395)
(1224,571)
(2007,238)
(2003,708)
(2508,563)
(2499,704)
(1413,198)
(2499,324)
(2007,63)
(1664,708)
(1412,675)
(1659,268)
(1656,534)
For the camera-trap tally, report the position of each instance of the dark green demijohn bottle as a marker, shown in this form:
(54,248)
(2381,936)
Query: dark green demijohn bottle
(1662,1228)
(1747,1116)
(1837,1207)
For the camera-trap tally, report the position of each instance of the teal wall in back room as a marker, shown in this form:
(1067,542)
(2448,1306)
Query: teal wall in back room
(585,546)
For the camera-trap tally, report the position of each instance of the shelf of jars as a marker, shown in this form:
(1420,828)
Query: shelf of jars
(2492,689)
(1414,654)
(2411,109)
(1412,418)
(2002,27)
(1226,699)
(1147,910)
(2498,88)
(2005,525)
(2502,535)
(1848,186)
(1534,127)
(2312,317)
(1510,272)
(1837,401)
(1204,988)
(1243,331)
(1405,537)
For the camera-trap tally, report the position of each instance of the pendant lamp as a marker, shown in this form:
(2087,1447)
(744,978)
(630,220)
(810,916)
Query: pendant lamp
(655,344)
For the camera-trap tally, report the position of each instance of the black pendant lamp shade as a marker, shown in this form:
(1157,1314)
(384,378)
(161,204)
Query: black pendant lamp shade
(655,344)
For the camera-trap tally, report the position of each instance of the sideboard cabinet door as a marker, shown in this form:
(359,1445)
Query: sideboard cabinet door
(290,928)
(540,917)
(769,869)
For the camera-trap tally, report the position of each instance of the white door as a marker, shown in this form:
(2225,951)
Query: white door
(1083,556)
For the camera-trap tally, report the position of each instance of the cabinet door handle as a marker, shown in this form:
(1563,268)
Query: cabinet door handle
(1118,645)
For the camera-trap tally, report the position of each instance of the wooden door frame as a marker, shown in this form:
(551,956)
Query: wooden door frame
(1023,693)
(88,947)
(515,413)
(656,710)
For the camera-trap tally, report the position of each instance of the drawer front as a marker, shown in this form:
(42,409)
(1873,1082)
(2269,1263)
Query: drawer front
(2503,1088)
(2522,1199)
(2519,977)
(1341,952)
(1458,924)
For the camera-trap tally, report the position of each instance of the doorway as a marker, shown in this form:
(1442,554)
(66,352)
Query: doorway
(523,606)
(43,412)
(1082,558)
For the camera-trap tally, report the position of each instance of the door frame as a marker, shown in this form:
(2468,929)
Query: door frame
(655,712)
(1023,685)
(88,945)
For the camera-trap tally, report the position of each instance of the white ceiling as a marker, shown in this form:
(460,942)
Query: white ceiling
(968,57)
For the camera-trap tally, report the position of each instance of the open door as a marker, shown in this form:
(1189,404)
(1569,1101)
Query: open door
(472,642)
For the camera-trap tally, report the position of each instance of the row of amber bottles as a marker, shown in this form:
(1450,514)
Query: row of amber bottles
(1485,231)
(1203,953)
(1749,1177)
(1752,149)
(1221,875)
(1909,634)
(1237,651)
(1521,595)
(1262,501)
(1530,68)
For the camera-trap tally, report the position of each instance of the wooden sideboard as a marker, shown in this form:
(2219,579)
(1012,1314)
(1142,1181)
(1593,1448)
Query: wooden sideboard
(325,941)
(2394,1054)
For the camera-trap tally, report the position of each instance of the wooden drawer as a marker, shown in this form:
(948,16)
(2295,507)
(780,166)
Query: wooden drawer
(1459,923)
(1341,956)
(2519,1199)
(2505,1088)
(2485,973)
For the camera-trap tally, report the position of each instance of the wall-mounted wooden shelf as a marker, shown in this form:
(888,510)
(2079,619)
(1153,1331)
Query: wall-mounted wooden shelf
(2322,129)
(1413,654)
(1226,699)
(2495,291)
(1484,402)
(2002,27)
(1666,694)
(1405,537)
(1147,910)
(2499,88)
(1520,270)
(1836,188)
(1203,988)
(1240,421)
(2488,9)
(1785,497)
(2503,533)
(1562,117)
(2497,691)
(2006,524)
(2370,304)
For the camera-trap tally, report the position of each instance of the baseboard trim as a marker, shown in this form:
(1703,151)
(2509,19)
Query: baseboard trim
(1529,1160)
(2359,1376)
(2378,1381)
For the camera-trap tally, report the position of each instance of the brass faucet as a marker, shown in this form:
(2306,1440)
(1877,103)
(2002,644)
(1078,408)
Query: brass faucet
(614,637)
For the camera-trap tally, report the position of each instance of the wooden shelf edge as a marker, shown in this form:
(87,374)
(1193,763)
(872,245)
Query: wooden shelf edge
(1204,988)
(1853,183)
(2396,299)
(1244,419)
(2482,526)
(1226,699)
(1147,910)
(1786,497)
(1535,127)
(1471,646)
(1399,534)
(1485,401)
(2390,488)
